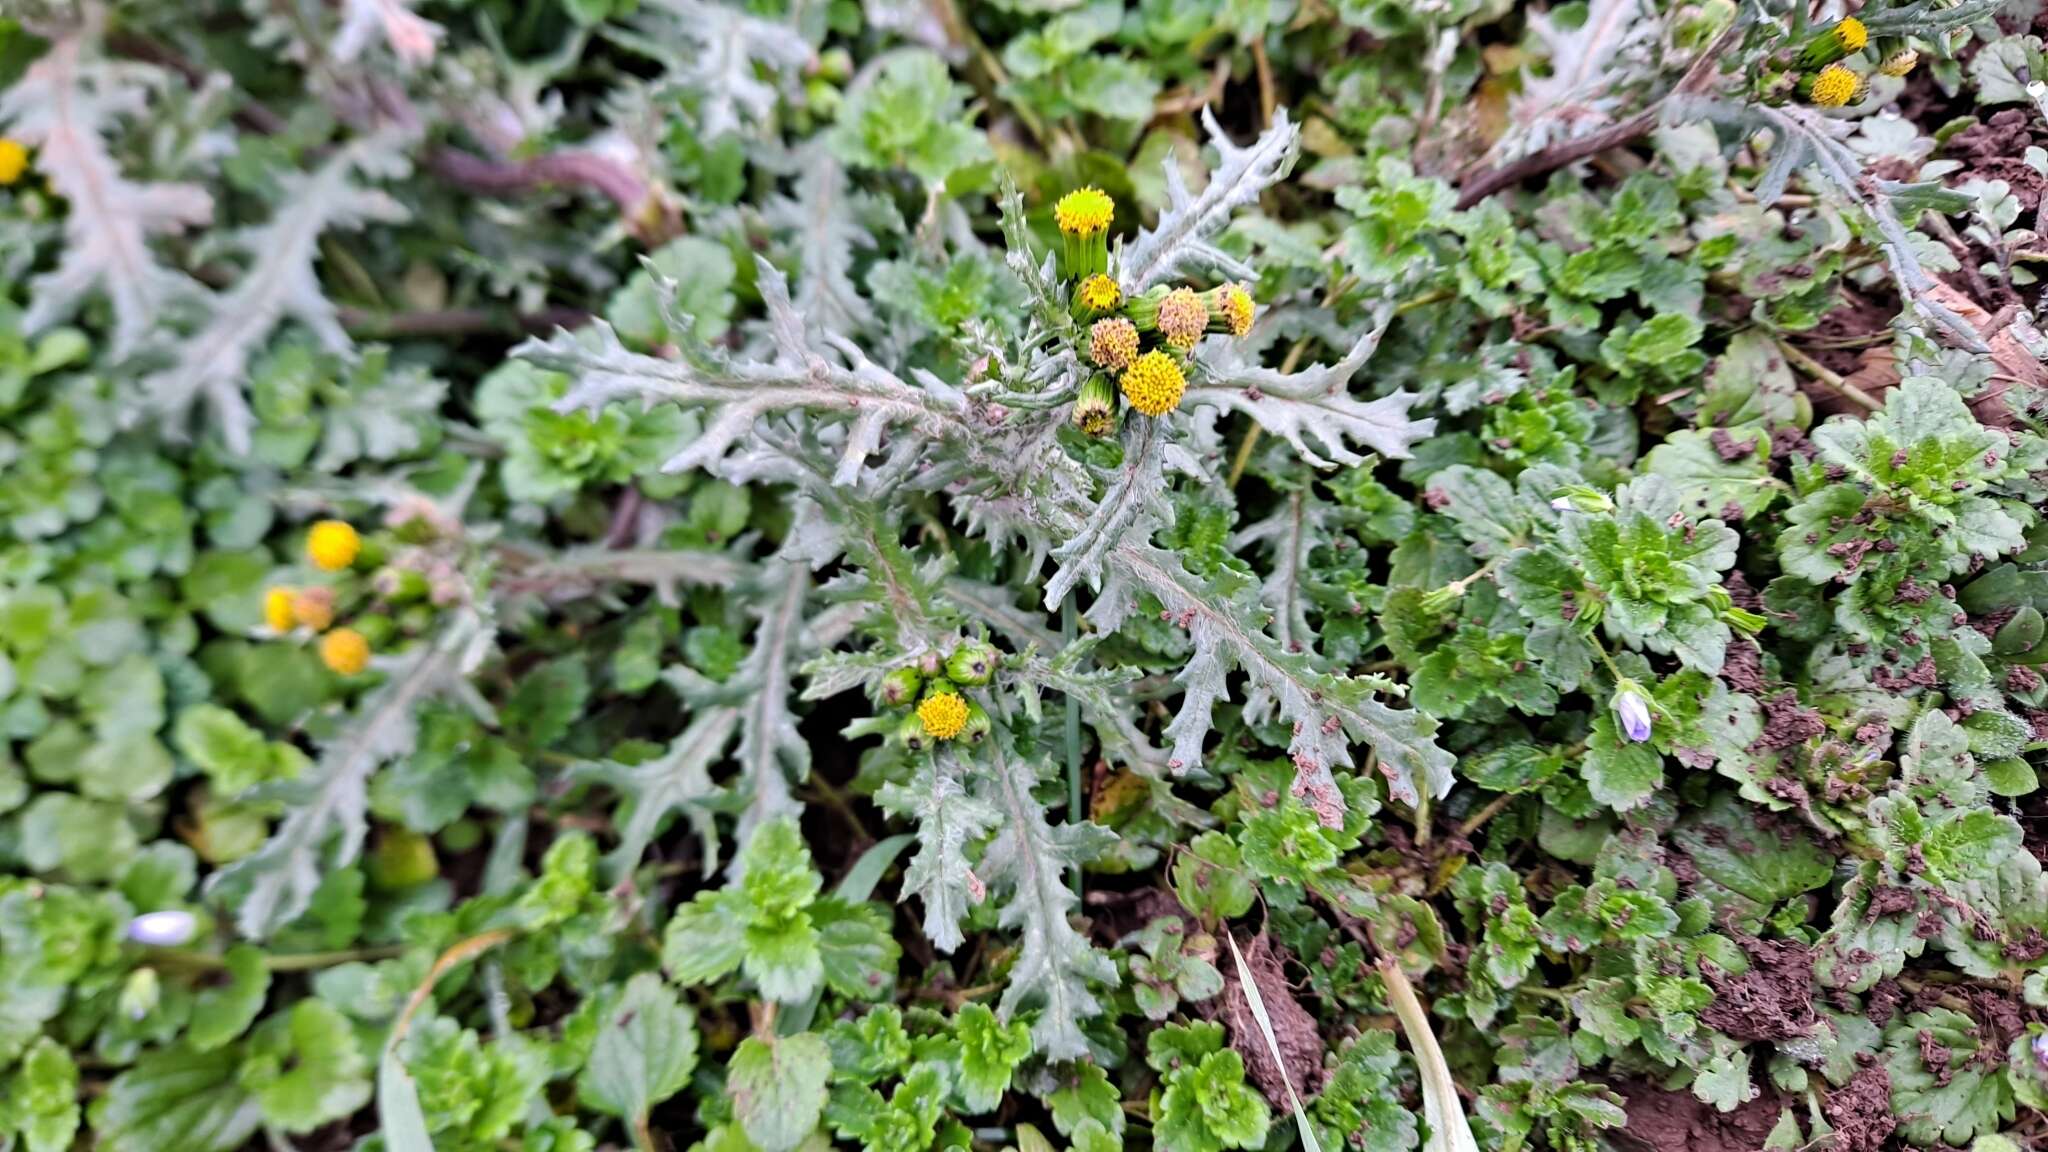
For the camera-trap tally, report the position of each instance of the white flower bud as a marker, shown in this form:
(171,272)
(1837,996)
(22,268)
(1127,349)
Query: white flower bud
(166,929)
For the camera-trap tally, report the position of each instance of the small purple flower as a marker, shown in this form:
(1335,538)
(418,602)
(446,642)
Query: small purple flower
(2041,1051)
(1634,713)
(166,929)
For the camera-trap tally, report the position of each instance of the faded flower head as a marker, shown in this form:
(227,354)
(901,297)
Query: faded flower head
(1113,343)
(1899,61)
(1154,384)
(1084,212)
(165,929)
(1182,318)
(312,608)
(13,160)
(1098,293)
(1835,87)
(1633,711)
(345,651)
(333,545)
(943,714)
(1235,308)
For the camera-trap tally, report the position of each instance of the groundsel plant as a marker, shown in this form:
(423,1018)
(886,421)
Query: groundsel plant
(1062,447)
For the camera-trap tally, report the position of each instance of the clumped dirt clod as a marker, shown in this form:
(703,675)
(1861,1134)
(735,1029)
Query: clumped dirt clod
(1771,1001)
(1661,1121)
(1861,1111)
(1294,1029)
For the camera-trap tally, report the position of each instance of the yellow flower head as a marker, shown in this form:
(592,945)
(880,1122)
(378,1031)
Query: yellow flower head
(13,160)
(1182,317)
(1899,63)
(1084,212)
(332,545)
(1835,87)
(1099,293)
(943,714)
(1234,303)
(1113,343)
(314,608)
(1154,384)
(1852,34)
(277,609)
(345,651)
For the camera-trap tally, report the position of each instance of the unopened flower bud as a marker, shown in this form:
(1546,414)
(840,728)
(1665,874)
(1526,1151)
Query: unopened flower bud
(972,662)
(901,686)
(1633,711)
(165,929)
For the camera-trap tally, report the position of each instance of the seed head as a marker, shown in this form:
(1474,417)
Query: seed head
(1182,317)
(1113,343)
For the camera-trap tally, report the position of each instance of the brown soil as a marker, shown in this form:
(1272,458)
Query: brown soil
(1993,150)
(1294,1029)
(1744,668)
(1662,1121)
(1771,1001)
(1859,318)
(1787,724)
(1861,1111)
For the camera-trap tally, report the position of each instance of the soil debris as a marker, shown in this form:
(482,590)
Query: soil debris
(1861,1111)
(1661,1121)
(1771,1001)
(1294,1029)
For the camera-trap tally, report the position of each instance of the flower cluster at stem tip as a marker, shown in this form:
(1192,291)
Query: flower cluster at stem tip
(1829,81)
(1141,344)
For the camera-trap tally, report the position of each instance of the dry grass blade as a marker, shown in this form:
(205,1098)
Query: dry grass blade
(1448,1129)
(1258,1003)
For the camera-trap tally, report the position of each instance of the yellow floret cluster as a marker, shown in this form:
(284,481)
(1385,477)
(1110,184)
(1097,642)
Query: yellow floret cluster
(1153,384)
(333,545)
(943,714)
(1084,212)
(1851,34)
(13,160)
(1099,293)
(1835,86)
(345,651)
